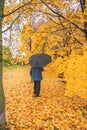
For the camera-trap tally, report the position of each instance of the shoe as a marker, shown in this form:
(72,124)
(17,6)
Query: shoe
(37,96)
(34,95)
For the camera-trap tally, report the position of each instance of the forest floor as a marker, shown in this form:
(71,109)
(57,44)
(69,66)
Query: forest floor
(51,111)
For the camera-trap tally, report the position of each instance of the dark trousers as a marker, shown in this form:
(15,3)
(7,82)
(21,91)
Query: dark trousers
(37,87)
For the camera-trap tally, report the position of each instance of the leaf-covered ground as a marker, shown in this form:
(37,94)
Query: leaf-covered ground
(51,111)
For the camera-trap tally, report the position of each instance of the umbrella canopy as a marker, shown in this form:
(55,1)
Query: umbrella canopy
(39,60)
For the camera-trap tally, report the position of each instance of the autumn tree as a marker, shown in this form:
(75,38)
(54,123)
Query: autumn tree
(68,25)
(7,56)
(63,22)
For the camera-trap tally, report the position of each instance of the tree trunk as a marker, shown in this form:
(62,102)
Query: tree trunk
(83,3)
(2,97)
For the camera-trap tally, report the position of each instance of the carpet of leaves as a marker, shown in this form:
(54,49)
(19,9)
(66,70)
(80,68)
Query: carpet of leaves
(51,111)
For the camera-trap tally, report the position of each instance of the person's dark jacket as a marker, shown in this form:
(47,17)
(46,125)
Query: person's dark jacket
(36,73)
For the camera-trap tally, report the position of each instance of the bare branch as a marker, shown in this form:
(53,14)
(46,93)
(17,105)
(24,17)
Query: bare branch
(17,9)
(82,3)
(78,41)
(14,21)
(60,15)
(11,24)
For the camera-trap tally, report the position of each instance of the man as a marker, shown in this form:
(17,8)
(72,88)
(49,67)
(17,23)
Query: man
(36,74)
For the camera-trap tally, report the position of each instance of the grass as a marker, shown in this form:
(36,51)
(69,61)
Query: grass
(14,67)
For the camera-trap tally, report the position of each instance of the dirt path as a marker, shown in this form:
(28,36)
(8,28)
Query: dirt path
(51,111)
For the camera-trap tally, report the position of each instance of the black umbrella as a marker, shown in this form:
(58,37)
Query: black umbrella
(39,60)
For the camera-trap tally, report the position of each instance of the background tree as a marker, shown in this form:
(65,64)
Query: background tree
(7,56)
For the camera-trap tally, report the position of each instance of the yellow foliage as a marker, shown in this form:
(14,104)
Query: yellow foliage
(59,65)
(76,76)
(27,32)
(25,38)
(52,110)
